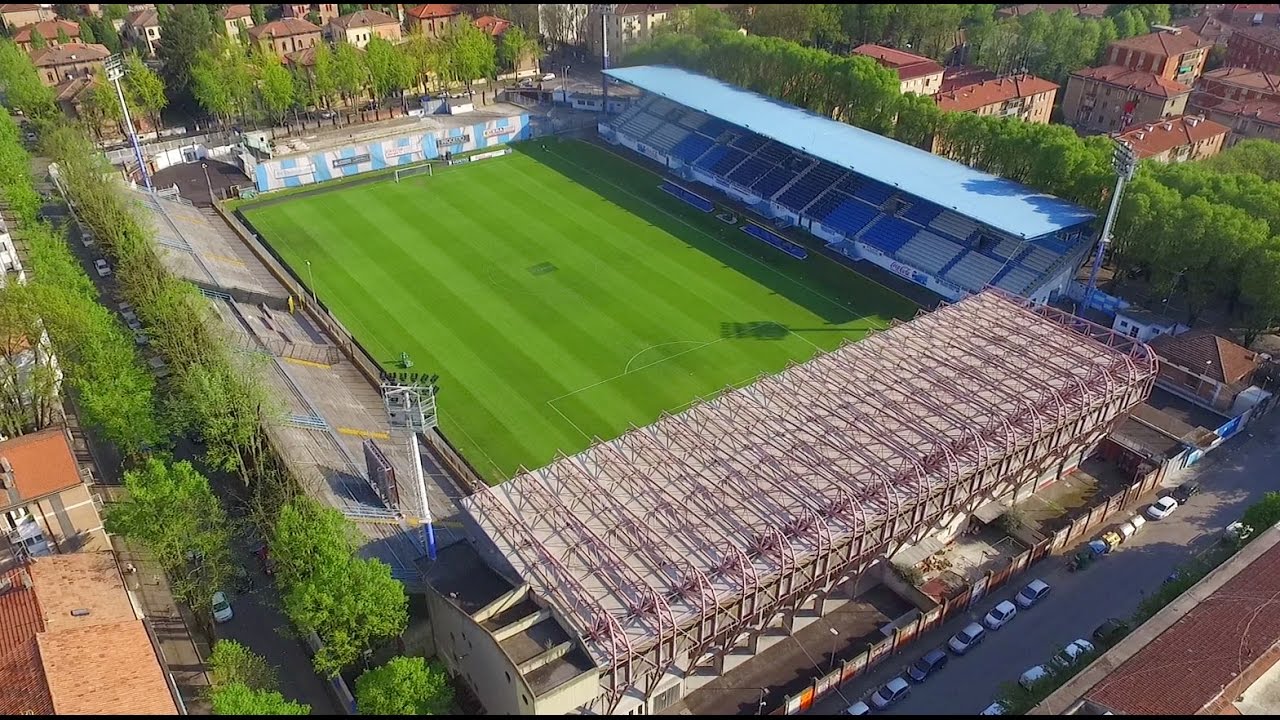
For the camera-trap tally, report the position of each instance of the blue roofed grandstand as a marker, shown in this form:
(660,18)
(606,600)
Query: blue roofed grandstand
(929,219)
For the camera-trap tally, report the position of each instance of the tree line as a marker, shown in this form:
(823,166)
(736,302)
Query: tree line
(1205,231)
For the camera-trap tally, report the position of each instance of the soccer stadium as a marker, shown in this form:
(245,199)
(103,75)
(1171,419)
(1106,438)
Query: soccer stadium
(705,420)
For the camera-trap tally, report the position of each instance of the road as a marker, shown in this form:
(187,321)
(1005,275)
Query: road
(259,623)
(1232,478)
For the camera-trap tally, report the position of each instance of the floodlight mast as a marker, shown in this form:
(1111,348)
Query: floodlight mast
(1125,162)
(412,408)
(115,71)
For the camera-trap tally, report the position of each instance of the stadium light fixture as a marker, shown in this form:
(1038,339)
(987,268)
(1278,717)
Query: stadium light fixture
(1125,162)
(114,66)
(411,408)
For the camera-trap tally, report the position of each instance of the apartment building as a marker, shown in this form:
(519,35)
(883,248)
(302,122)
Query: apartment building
(433,20)
(286,35)
(624,27)
(1112,97)
(16,15)
(359,27)
(1173,54)
(49,30)
(1250,14)
(1232,83)
(1255,48)
(142,28)
(1190,137)
(233,17)
(45,505)
(324,12)
(56,65)
(916,73)
(1026,97)
(1246,118)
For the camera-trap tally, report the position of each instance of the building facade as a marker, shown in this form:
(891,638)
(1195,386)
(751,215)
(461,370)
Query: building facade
(1255,48)
(624,27)
(1246,118)
(57,65)
(916,73)
(17,15)
(234,17)
(358,28)
(1112,97)
(434,19)
(1250,14)
(1233,83)
(285,36)
(1189,137)
(50,30)
(323,12)
(142,28)
(1174,54)
(1026,97)
(1207,369)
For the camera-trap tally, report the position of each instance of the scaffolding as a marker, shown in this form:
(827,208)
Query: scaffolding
(670,543)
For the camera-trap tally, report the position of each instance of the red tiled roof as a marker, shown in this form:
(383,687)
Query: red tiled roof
(1251,8)
(144,18)
(235,12)
(971,97)
(1263,111)
(1087,10)
(492,25)
(1208,27)
(908,65)
(958,76)
(1145,82)
(22,683)
(1163,43)
(104,669)
(1189,665)
(68,53)
(1268,36)
(284,27)
(364,18)
(1256,80)
(18,7)
(1151,139)
(432,10)
(42,463)
(1207,354)
(49,29)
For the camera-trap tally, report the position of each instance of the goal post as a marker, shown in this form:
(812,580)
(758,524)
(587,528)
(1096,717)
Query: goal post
(423,168)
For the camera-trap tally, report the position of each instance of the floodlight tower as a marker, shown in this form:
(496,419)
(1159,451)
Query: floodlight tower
(115,71)
(1125,162)
(411,408)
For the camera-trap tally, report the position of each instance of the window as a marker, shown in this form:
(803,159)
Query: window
(524,699)
(504,672)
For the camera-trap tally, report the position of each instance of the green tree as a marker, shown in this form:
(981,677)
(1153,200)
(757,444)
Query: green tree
(349,73)
(275,86)
(239,699)
(230,662)
(103,32)
(390,70)
(813,24)
(258,13)
(63,37)
(171,509)
(469,53)
(86,32)
(697,20)
(405,686)
(1260,292)
(38,41)
(144,88)
(185,31)
(1258,156)
(1262,515)
(513,46)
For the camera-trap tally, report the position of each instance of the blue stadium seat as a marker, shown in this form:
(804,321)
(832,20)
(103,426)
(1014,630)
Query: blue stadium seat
(751,170)
(921,212)
(750,142)
(731,158)
(814,183)
(850,216)
(773,181)
(691,147)
(874,192)
(889,234)
(712,157)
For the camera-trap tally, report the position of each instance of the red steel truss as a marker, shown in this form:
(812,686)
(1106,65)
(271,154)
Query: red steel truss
(676,539)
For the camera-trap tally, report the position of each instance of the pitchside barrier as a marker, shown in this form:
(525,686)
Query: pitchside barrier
(961,602)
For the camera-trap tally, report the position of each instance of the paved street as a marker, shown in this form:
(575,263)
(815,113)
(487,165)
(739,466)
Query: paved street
(1233,477)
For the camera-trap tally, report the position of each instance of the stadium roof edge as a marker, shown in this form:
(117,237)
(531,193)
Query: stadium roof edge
(999,203)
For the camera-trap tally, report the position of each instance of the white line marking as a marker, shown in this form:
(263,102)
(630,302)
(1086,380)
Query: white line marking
(551,404)
(627,368)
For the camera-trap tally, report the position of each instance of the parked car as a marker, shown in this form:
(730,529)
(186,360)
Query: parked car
(102,267)
(548,76)
(86,238)
(968,638)
(1000,615)
(1111,630)
(1162,508)
(327,114)
(1183,492)
(1138,521)
(221,608)
(892,692)
(1236,532)
(858,708)
(995,708)
(1071,654)
(928,664)
(1033,676)
(1034,592)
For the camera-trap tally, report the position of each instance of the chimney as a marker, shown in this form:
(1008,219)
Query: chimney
(1148,127)
(1192,120)
(1167,126)
(1140,135)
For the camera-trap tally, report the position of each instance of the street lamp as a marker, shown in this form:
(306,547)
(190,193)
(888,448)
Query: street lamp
(1124,160)
(114,65)
(835,637)
(205,168)
(311,280)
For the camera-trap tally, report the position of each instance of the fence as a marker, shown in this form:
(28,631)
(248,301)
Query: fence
(974,593)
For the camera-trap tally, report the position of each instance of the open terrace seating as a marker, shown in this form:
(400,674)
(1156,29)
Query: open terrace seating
(954,225)
(850,216)
(929,252)
(973,271)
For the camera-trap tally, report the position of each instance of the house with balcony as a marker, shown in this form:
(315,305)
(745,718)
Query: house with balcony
(625,25)
(1110,98)
(1179,139)
(1255,48)
(57,65)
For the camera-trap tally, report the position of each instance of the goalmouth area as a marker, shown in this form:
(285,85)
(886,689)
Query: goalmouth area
(561,295)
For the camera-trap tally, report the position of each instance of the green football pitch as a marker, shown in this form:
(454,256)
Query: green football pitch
(561,296)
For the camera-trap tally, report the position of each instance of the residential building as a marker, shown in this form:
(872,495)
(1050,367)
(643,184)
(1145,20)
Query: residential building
(1204,368)
(57,65)
(495,27)
(1253,14)
(1233,83)
(1145,325)
(1173,54)
(1209,28)
(916,73)
(50,30)
(1246,118)
(1095,10)
(624,26)
(1112,97)
(565,24)
(71,643)
(45,505)
(1212,651)
(1255,48)
(324,12)
(92,9)
(1026,97)
(16,15)
(958,76)
(285,36)
(142,28)
(433,20)
(1189,137)
(358,28)
(233,17)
